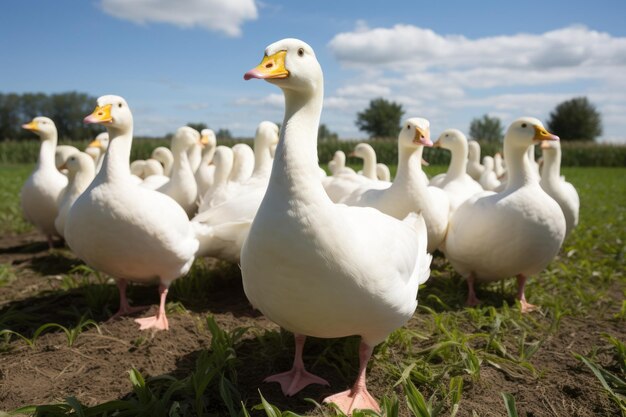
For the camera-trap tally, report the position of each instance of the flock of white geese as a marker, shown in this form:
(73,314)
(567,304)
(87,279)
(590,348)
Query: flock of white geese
(322,256)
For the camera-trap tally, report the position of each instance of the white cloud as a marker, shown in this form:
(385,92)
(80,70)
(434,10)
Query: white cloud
(406,46)
(451,78)
(225,16)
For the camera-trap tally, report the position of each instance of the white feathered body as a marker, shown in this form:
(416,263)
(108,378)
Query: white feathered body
(501,235)
(40,194)
(130,232)
(345,292)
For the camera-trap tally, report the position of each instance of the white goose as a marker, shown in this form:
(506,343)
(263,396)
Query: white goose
(81,171)
(40,193)
(515,232)
(182,184)
(126,231)
(488,179)
(561,191)
(408,192)
(474,168)
(206,171)
(314,267)
(455,182)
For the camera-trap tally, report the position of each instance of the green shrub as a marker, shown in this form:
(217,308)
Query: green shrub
(574,153)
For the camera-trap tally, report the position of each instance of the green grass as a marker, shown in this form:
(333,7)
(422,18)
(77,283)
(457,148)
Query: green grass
(427,366)
(12,177)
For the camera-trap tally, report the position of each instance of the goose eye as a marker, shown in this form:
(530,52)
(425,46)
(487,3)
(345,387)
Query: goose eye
(408,126)
(300,52)
(447,135)
(524,125)
(119,105)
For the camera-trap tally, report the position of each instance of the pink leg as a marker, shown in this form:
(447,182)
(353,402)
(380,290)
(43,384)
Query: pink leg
(358,397)
(297,378)
(525,305)
(159,321)
(472,300)
(125,308)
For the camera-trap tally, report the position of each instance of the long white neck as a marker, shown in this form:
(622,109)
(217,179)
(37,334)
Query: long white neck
(409,166)
(458,161)
(207,155)
(168,161)
(518,167)
(46,152)
(262,158)
(181,161)
(551,170)
(369,164)
(222,171)
(116,166)
(340,160)
(80,180)
(296,170)
(474,154)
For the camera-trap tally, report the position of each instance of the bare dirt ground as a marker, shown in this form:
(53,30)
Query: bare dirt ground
(95,368)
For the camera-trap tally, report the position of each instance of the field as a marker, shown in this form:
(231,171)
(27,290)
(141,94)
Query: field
(59,352)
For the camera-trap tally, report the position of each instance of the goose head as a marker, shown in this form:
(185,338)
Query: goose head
(363,151)
(266,135)
(527,131)
(415,132)
(473,150)
(79,162)
(488,163)
(184,138)
(43,127)
(162,154)
(451,139)
(113,113)
(208,139)
(152,167)
(291,65)
(101,142)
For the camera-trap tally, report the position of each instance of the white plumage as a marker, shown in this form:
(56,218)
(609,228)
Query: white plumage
(314,267)
(39,197)
(515,232)
(129,232)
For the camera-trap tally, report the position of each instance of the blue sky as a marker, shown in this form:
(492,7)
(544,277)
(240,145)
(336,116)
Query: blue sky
(450,61)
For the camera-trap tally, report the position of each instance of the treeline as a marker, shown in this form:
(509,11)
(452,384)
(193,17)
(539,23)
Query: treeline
(574,153)
(66,109)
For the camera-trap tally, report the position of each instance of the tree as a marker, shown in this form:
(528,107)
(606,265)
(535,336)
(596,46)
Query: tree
(198,126)
(576,119)
(324,133)
(486,128)
(223,134)
(381,119)
(67,110)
